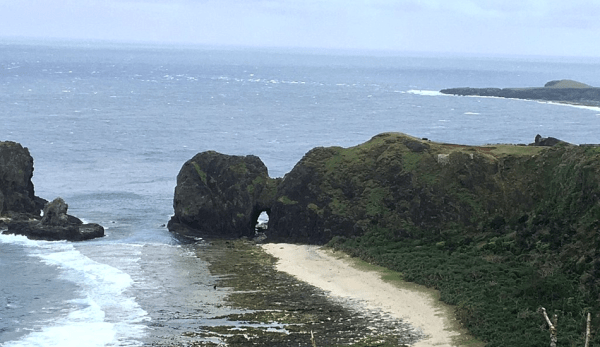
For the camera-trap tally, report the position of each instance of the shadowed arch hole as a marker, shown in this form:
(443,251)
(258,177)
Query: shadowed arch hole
(262,221)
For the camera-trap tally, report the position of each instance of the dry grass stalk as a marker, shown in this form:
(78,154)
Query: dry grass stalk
(552,325)
(587,329)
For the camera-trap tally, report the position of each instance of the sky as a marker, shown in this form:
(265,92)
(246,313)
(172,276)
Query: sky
(486,27)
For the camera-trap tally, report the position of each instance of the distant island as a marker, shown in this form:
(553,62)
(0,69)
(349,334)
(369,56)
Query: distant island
(563,91)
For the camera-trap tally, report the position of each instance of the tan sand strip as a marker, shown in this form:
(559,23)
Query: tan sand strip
(338,276)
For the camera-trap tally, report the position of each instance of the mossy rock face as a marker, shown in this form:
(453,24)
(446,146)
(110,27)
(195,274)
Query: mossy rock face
(221,195)
(400,183)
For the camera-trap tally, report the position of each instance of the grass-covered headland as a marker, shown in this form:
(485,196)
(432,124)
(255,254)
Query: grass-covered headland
(500,231)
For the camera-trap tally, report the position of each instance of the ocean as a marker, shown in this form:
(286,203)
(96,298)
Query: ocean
(110,125)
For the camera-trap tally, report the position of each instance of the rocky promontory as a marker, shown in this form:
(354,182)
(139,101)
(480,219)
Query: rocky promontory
(394,182)
(564,91)
(222,195)
(20,209)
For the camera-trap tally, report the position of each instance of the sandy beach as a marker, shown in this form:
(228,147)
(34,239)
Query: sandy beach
(337,275)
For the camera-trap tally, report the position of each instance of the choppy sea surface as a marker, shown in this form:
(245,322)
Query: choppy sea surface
(110,125)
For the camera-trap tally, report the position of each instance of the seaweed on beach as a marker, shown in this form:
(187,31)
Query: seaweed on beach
(276,309)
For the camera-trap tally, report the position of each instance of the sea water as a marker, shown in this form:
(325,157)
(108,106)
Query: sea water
(109,127)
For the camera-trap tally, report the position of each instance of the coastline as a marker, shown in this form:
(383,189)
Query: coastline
(564,92)
(337,275)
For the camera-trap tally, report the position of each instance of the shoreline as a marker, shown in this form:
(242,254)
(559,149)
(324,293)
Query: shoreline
(584,97)
(343,279)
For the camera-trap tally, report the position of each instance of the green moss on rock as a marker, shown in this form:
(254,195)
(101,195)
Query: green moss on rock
(201,173)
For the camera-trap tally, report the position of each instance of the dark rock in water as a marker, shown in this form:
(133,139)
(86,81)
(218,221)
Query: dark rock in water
(20,208)
(566,91)
(16,188)
(55,213)
(56,225)
(221,195)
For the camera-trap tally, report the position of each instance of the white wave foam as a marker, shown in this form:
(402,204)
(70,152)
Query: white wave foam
(425,92)
(591,108)
(585,107)
(472,113)
(74,330)
(104,315)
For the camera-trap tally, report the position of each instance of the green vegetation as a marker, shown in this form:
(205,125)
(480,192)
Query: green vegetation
(410,160)
(315,209)
(286,200)
(201,173)
(239,168)
(505,150)
(495,289)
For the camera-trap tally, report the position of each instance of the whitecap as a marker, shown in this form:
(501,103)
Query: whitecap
(425,92)
(585,107)
(472,113)
(103,314)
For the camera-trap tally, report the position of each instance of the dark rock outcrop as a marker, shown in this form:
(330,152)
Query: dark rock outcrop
(20,208)
(56,225)
(221,195)
(547,141)
(16,189)
(559,91)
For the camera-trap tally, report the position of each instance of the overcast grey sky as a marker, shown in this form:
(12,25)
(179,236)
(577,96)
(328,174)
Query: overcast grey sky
(523,27)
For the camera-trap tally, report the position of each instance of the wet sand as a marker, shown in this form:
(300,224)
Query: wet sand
(341,278)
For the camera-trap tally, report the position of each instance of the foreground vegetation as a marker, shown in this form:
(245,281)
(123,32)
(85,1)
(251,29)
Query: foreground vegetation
(497,291)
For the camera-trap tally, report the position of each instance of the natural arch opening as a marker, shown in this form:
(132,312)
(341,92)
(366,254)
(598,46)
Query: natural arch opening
(262,221)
